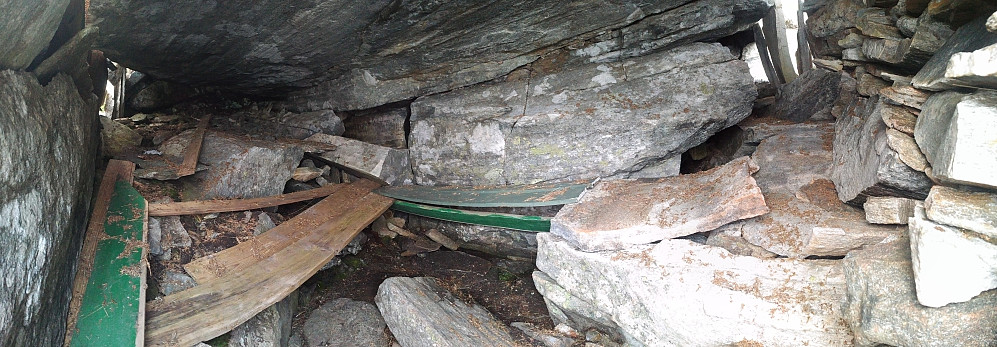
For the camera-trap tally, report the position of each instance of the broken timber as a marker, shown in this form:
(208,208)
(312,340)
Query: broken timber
(213,206)
(243,255)
(193,150)
(502,220)
(510,196)
(108,303)
(218,305)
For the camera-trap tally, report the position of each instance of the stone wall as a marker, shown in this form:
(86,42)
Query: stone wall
(48,147)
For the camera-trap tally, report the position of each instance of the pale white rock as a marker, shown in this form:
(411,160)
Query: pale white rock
(888,209)
(976,69)
(992,23)
(957,137)
(680,293)
(976,211)
(385,164)
(950,264)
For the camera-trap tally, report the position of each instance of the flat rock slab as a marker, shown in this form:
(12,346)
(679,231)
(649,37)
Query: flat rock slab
(384,164)
(810,95)
(680,293)
(956,132)
(628,119)
(866,165)
(622,213)
(950,264)
(881,306)
(419,312)
(346,323)
(975,211)
(239,167)
(806,217)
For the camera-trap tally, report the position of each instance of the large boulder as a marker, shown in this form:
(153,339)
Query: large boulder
(626,120)
(365,54)
(48,147)
(881,305)
(680,293)
(239,167)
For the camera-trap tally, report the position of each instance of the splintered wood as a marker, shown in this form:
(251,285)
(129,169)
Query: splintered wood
(235,286)
(212,206)
(108,303)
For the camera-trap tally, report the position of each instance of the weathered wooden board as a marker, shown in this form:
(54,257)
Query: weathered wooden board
(193,150)
(112,311)
(243,255)
(116,170)
(217,306)
(501,220)
(508,196)
(212,206)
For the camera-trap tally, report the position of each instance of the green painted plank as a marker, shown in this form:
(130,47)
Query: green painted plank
(507,196)
(502,220)
(112,310)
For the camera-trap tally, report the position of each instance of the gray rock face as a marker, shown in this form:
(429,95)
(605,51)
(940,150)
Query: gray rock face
(627,119)
(968,38)
(881,307)
(379,127)
(302,125)
(48,151)
(345,323)
(27,28)
(956,134)
(387,51)
(679,293)
(421,313)
(269,328)
(865,165)
(239,167)
(888,209)
(950,264)
(810,95)
(621,213)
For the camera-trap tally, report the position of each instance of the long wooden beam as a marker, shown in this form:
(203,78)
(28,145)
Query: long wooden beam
(116,170)
(213,206)
(217,306)
(244,255)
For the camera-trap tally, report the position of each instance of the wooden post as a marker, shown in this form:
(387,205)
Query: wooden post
(763,55)
(774,26)
(804,60)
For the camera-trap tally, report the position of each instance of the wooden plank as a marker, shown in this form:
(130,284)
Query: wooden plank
(804,61)
(217,306)
(243,255)
(508,196)
(193,150)
(112,311)
(116,170)
(502,220)
(763,54)
(212,206)
(774,26)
